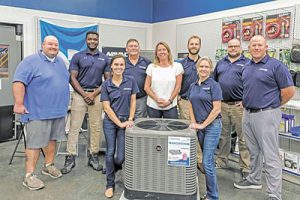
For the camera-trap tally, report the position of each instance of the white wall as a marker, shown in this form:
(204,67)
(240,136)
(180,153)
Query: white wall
(28,18)
(166,31)
(162,31)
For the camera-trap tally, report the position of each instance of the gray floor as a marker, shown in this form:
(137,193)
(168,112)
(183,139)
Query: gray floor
(84,183)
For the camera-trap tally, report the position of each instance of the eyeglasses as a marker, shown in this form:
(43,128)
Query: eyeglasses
(234,46)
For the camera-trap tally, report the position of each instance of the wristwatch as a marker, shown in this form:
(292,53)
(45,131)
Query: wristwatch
(171,101)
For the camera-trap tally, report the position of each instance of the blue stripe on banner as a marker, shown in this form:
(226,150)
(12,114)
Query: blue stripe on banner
(69,38)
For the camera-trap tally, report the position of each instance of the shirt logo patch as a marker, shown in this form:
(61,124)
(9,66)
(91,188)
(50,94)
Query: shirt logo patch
(263,69)
(142,67)
(100,58)
(127,89)
(240,65)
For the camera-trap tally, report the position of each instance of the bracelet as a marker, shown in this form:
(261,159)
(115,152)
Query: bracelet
(170,101)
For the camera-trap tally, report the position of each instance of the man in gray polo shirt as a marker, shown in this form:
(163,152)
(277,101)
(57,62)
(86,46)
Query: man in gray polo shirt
(267,85)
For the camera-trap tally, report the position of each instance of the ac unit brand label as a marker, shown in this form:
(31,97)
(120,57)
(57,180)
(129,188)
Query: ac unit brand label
(179,149)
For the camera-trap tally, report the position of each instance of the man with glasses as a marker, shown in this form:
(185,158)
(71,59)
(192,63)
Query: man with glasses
(228,73)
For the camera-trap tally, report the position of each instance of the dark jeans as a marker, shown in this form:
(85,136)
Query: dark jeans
(171,113)
(115,144)
(209,139)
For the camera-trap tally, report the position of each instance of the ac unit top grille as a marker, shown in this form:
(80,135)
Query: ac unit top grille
(162,125)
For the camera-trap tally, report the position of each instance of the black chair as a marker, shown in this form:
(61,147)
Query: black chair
(21,135)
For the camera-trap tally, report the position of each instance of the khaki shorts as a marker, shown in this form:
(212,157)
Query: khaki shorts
(40,132)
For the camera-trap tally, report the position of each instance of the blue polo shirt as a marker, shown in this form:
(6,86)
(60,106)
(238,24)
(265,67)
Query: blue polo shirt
(46,87)
(202,98)
(119,96)
(90,67)
(262,82)
(189,76)
(138,71)
(229,76)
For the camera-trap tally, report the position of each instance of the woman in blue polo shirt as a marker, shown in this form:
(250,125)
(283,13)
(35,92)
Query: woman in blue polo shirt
(118,95)
(205,107)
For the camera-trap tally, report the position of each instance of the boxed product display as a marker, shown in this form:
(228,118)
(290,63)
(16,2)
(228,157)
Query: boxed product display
(231,30)
(285,56)
(220,53)
(272,53)
(247,54)
(291,162)
(295,131)
(252,27)
(287,124)
(278,26)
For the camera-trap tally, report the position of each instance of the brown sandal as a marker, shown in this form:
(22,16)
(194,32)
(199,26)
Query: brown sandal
(109,192)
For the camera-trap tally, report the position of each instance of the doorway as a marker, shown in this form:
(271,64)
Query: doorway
(10,57)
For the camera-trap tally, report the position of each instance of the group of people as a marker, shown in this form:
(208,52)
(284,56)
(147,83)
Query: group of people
(238,92)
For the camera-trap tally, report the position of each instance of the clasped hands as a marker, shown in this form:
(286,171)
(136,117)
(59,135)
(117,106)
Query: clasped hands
(126,124)
(89,98)
(162,102)
(195,125)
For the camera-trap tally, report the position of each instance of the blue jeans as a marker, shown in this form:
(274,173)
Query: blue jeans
(171,113)
(115,144)
(209,139)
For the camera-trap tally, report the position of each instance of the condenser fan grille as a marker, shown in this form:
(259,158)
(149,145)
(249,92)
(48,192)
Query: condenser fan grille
(162,125)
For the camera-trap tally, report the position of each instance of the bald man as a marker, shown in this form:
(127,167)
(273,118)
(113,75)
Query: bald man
(41,93)
(267,85)
(228,72)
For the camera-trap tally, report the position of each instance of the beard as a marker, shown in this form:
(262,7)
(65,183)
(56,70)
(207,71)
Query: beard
(234,55)
(194,53)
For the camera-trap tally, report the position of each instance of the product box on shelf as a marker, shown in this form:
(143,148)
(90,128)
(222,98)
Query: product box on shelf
(291,162)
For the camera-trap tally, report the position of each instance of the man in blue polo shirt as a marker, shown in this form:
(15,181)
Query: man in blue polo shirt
(41,92)
(136,66)
(190,76)
(228,72)
(87,69)
(267,85)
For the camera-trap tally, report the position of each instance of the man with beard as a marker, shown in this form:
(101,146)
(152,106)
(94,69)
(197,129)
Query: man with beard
(87,69)
(228,73)
(190,76)
(136,66)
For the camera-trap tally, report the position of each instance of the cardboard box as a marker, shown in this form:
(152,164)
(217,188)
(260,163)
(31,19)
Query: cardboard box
(291,162)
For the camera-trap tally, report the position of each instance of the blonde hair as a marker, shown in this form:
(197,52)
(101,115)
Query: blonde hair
(205,58)
(170,57)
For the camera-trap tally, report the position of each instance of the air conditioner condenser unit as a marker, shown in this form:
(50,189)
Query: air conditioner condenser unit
(160,160)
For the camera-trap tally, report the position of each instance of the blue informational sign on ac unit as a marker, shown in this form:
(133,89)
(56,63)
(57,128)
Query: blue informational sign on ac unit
(71,40)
